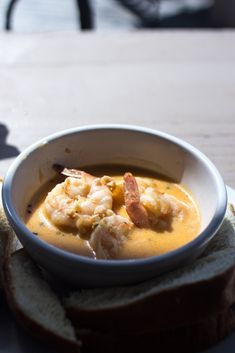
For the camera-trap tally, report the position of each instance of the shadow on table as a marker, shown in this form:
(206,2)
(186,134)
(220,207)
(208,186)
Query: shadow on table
(6,151)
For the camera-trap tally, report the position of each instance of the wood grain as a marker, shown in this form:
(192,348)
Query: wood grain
(181,82)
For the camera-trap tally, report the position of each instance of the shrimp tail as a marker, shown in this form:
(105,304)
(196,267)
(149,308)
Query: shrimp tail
(134,208)
(74,173)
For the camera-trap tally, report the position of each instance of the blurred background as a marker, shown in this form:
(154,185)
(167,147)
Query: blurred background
(101,15)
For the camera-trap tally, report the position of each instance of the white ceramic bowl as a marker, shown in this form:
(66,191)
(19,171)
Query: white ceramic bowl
(113,144)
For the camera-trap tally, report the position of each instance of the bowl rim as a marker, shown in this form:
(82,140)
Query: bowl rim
(202,238)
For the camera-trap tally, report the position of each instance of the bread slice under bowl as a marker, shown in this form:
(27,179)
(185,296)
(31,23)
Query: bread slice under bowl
(32,302)
(35,305)
(38,309)
(8,240)
(180,298)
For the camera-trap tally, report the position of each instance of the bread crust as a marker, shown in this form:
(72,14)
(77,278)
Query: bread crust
(188,339)
(7,240)
(180,306)
(49,337)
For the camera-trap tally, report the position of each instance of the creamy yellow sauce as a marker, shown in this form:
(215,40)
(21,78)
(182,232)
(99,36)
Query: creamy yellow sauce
(140,242)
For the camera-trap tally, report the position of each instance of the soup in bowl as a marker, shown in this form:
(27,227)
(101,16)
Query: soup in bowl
(111,205)
(109,213)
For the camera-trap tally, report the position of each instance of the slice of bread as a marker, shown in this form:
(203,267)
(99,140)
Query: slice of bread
(8,240)
(187,339)
(175,299)
(6,237)
(35,305)
(37,308)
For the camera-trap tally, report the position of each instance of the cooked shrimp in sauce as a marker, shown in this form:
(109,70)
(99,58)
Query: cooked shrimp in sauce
(79,201)
(113,217)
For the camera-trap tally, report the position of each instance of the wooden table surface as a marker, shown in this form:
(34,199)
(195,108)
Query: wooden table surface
(181,82)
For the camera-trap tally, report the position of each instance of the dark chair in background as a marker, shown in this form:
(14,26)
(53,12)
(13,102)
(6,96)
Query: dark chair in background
(220,13)
(85,14)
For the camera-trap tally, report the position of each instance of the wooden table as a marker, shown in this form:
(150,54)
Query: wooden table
(181,82)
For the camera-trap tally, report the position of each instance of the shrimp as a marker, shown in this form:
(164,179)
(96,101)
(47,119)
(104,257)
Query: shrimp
(80,201)
(134,208)
(109,235)
(149,207)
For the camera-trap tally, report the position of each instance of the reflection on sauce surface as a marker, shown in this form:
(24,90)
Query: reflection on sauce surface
(168,234)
